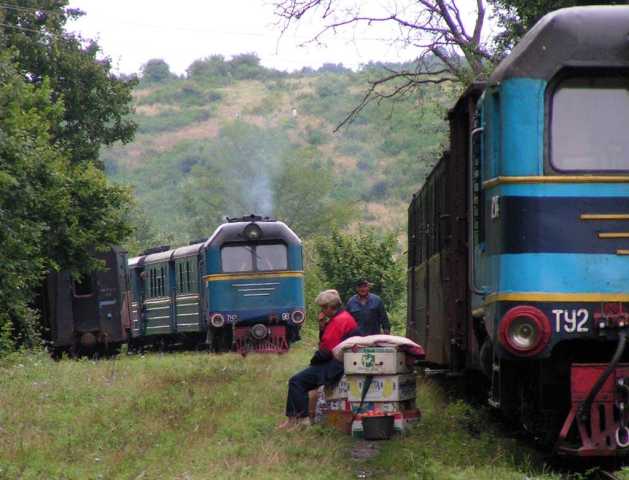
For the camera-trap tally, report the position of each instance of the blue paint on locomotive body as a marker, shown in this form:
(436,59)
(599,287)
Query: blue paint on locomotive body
(561,273)
(522,121)
(256,296)
(254,299)
(513,115)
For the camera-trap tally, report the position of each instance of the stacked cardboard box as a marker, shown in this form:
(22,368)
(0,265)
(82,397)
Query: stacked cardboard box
(338,413)
(392,390)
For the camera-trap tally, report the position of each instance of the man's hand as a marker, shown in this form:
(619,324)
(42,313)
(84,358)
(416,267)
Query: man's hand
(322,320)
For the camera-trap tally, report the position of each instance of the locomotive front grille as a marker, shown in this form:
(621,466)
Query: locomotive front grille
(255,289)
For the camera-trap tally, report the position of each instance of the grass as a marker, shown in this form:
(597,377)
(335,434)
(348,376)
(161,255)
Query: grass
(198,416)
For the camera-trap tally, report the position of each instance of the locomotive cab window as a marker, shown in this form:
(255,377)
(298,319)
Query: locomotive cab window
(236,259)
(271,257)
(588,124)
(247,258)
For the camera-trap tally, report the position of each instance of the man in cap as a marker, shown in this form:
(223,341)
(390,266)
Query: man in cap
(368,310)
(324,369)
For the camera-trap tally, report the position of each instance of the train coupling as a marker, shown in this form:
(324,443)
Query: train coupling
(260,338)
(603,429)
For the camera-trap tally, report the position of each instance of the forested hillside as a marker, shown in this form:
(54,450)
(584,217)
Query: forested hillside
(232,137)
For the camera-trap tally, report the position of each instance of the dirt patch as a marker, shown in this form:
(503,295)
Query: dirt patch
(145,92)
(155,109)
(167,140)
(345,162)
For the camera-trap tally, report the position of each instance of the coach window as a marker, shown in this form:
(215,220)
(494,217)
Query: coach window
(237,259)
(271,257)
(180,282)
(588,124)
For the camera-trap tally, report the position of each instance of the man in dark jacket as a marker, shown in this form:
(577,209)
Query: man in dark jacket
(324,369)
(368,310)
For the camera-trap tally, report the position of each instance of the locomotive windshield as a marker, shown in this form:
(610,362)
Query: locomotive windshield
(588,127)
(248,258)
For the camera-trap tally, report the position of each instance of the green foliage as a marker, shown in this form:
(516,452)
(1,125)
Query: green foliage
(303,194)
(344,258)
(156,70)
(311,177)
(516,17)
(188,190)
(171,119)
(216,69)
(182,93)
(313,284)
(53,212)
(316,136)
(95,103)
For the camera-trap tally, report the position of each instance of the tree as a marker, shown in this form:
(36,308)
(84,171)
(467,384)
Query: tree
(344,258)
(302,194)
(53,213)
(59,102)
(207,201)
(448,48)
(213,66)
(156,70)
(516,17)
(96,104)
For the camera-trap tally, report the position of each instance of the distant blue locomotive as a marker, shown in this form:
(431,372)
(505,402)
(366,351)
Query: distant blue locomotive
(519,239)
(242,289)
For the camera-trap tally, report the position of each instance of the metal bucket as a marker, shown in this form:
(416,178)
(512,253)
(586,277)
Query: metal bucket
(378,428)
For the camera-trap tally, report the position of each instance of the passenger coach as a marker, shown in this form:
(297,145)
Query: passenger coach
(519,239)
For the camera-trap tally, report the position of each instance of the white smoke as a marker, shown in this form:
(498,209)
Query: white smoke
(260,195)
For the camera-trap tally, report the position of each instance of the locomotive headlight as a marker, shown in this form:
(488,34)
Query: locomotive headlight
(252,232)
(259,331)
(524,330)
(217,320)
(298,317)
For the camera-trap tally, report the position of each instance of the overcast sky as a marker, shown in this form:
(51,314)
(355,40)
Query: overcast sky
(134,31)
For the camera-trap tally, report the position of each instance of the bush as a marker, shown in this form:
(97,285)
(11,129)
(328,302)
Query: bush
(156,70)
(181,93)
(171,120)
(344,258)
(316,136)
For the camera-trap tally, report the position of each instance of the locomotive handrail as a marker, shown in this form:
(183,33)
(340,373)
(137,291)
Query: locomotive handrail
(471,264)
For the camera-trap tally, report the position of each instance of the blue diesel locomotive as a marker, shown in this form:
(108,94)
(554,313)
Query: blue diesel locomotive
(242,289)
(519,238)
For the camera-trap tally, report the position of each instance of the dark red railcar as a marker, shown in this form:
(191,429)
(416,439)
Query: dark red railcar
(91,315)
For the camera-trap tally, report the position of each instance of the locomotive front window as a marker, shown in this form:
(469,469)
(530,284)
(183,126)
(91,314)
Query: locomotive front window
(271,257)
(236,259)
(588,127)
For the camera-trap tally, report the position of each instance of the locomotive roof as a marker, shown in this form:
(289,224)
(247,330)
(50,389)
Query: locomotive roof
(570,37)
(233,232)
